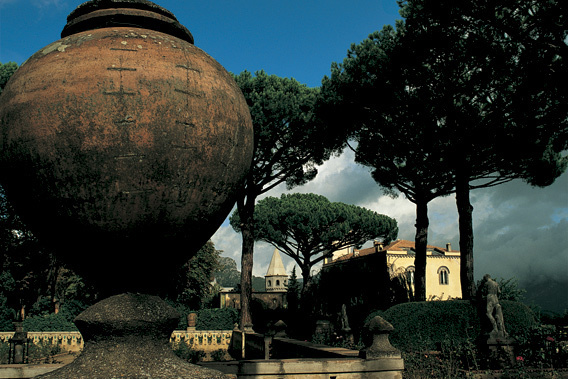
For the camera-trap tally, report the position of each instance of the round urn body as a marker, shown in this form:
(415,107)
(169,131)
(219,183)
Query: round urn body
(124,149)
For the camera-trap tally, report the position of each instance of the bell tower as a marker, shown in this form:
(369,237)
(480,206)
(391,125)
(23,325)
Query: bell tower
(276,279)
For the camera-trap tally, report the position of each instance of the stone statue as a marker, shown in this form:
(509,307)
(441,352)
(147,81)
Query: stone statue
(490,291)
(344,319)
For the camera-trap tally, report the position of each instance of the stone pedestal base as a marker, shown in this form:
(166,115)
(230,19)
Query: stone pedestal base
(127,336)
(501,352)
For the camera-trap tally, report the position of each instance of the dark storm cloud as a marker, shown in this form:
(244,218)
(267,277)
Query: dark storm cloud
(522,231)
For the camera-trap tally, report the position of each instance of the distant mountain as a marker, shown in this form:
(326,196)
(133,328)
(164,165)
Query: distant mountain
(229,276)
(550,296)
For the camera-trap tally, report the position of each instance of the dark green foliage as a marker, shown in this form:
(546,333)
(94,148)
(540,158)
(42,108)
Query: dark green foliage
(182,350)
(43,352)
(284,131)
(25,266)
(4,352)
(519,319)
(219,355)
(258,284)
(7,316)
(72,308)
(49,323)
(293,293)
(545,348)
(423,326)
(6,71)
(217,319)
(42,307)
(72,291)
(193,283)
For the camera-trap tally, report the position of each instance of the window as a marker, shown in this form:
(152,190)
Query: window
(269,283)
(444,274)
(277,283)
(410,275)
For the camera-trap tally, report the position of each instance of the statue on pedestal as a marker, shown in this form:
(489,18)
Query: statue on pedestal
(490,291)
(500,347)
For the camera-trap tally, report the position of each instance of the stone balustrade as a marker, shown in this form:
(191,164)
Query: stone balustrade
(207,341)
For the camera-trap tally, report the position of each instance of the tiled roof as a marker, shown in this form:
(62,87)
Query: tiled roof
(402,245)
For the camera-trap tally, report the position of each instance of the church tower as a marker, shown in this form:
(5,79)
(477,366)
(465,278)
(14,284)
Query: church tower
(276,279)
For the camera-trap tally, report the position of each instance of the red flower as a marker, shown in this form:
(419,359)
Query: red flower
(550,339)
(520,359)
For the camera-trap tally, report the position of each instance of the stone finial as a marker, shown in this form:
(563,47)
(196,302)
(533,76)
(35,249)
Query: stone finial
(279,329)
(191,321)
(380,347)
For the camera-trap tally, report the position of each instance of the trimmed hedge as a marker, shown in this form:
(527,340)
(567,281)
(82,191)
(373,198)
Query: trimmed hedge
(208,319)
(49,323)
(420,326)
(217,319)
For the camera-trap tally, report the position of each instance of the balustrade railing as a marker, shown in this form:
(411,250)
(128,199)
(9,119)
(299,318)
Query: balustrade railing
(205,340)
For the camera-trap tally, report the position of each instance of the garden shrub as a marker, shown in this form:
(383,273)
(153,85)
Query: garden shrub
(423,326)
(217,319)
(519,319)
(7,316)
(49,323)
(4,352)
(182,350)
(43,352)
(72,308)
(219,355)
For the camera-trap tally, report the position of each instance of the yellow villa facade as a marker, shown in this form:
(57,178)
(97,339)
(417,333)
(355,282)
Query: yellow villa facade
(442,265)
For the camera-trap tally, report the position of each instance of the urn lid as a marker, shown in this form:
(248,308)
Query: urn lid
(98,14)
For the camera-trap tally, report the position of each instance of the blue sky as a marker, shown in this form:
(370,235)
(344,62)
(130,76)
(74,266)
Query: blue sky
(520,231)
(294,38)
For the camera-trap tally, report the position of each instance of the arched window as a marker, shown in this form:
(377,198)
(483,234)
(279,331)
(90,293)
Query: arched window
(444,275)
(410,275)
(277,283)
(269,283)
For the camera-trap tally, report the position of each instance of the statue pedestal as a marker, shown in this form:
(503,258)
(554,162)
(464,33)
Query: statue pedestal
(127,336)
(501,351)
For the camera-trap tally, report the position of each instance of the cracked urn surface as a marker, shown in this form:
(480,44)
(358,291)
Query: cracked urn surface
(123,147)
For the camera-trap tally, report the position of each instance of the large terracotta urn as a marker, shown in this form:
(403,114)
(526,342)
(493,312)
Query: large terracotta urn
(123,145)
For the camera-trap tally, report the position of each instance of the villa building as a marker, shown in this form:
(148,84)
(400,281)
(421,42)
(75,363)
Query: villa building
(442,265)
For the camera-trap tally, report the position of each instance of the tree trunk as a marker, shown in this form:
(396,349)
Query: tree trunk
(307,281)
(465,211)
(247,232)
(420,242)
(52,278)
